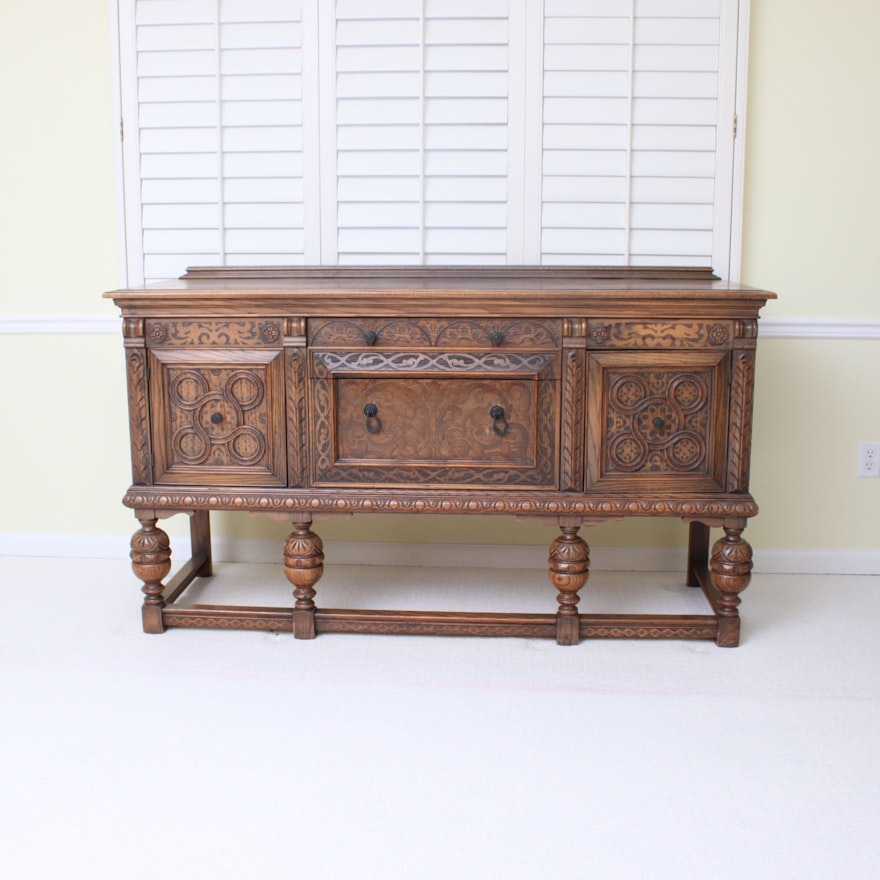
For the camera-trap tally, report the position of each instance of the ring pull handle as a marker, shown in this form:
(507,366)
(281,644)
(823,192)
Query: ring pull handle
(370,337)
(499,421)
(371,411)
(496,337)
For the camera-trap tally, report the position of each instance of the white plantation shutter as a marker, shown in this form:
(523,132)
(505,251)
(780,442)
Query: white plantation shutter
(631,123)
(218,141)
(421,131)
(591,132)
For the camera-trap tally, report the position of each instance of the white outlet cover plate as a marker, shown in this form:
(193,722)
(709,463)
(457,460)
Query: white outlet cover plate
(869,458)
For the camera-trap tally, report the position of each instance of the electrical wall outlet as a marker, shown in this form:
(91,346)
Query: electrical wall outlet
(869,458)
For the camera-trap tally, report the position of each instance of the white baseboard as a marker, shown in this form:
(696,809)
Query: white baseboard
(265,550)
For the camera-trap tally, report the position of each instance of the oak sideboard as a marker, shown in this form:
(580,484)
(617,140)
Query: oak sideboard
(567,395)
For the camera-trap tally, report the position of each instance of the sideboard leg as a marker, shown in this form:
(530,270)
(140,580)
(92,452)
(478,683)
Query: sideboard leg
(698,552)
(303,566)
(569,570)
(200,538)
(151,561)
(731,570)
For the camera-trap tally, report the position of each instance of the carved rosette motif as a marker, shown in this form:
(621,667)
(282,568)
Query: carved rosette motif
(658,421)
(210,334)
(433,333)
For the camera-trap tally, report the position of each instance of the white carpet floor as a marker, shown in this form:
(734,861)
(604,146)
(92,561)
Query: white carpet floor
(212,754)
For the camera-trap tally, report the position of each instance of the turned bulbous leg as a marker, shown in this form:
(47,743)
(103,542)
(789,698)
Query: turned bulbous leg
(151,562)
(731,570)
(303,567)
(569,570)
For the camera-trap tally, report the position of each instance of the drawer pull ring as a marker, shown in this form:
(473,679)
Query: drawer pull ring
(371,411)
(370,337)
(499,423)
(216,418)
(496,337)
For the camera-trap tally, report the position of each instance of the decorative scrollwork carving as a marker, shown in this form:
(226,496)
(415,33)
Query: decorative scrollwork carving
(434,332)
(445,361)
(659,335)
(210,334)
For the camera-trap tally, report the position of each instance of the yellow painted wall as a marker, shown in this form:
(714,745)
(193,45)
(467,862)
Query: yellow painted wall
(811,233)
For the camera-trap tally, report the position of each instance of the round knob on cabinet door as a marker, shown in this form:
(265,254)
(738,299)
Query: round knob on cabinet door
(216,418)
(658,423)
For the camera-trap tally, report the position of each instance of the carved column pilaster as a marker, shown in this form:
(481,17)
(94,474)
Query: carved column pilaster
(151,562)
(731,569)
(573,405)
(136,368)
(742,391)
(569,570)
(295,337)
(303,567)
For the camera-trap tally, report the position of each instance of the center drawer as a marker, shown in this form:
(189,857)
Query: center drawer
(449,420)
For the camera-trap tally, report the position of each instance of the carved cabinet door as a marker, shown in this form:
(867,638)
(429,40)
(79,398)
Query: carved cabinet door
(218,417)
(657,421)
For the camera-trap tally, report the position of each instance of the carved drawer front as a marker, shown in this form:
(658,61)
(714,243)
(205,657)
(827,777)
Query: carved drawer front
(218,417)
(374,424)
(210,333)
(480,333)
(657,421)
(670,335)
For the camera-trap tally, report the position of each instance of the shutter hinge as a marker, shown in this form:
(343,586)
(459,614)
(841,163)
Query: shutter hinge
(735,125)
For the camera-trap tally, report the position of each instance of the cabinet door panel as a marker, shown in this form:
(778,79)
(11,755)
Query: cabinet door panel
(657,421)
(218,417)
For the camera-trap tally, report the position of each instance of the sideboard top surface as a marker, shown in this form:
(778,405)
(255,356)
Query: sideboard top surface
(441,290)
